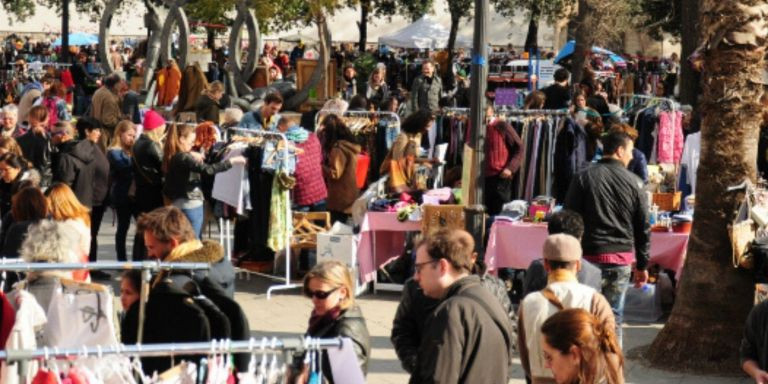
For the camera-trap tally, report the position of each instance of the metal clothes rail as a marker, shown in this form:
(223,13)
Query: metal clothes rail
(146,268)
(286,155)
(368,114)
(165,349)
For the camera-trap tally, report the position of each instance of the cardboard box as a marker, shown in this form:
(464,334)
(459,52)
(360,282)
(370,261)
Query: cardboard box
(337,247)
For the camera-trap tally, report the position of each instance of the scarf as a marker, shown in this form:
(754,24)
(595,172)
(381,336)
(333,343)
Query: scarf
(319,322)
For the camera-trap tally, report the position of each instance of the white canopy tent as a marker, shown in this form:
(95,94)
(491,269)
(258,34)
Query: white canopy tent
(425,33)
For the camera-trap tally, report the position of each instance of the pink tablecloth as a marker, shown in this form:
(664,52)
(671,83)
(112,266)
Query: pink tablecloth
(515,245)
(388,234)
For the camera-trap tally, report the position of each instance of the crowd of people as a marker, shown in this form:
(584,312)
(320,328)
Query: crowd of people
(63,168)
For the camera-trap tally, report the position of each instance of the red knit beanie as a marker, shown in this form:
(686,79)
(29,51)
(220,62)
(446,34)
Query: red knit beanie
(152,121)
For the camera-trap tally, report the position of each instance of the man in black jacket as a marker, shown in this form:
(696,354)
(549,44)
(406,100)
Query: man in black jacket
(558,94)
(614,207)
(468,337)
(73,162)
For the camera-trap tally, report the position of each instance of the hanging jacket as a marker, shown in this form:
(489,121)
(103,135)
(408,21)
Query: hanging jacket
(168,84)
(570,156)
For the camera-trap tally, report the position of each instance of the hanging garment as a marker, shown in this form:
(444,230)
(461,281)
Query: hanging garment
(77,316)
(168,84)
(670,138)
(690,158)
(531,177)
(280,223)
(191,86)
(232,186)
(30,320)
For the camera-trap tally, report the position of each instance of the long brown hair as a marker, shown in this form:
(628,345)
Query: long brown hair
(29,204)
(601,356)
(64,205)
(117,140)
(173,142)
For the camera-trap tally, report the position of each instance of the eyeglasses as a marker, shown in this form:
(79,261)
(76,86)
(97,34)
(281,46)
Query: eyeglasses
(321,295)
(418,266)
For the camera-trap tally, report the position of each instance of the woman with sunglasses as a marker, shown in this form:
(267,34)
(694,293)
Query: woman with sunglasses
(330,287)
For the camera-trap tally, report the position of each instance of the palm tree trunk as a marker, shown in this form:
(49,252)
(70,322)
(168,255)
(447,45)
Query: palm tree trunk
(707,321)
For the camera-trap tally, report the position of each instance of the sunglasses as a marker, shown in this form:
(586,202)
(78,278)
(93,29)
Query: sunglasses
(321,295)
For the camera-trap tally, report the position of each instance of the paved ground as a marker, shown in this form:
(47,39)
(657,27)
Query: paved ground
(287,313)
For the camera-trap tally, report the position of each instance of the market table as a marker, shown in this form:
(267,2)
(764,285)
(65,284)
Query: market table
(382,237)
(516,245)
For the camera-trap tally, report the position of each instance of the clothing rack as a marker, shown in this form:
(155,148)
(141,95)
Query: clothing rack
(630,98)
(164,349)
(557,115)
(146,268)
(528,112)
(324,112)
(228,246)
(455,111)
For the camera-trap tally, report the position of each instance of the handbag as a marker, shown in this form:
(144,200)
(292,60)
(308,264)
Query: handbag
(742,233)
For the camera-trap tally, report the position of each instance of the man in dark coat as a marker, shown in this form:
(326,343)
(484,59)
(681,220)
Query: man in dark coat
(169,237)
(468,337)
(73,163)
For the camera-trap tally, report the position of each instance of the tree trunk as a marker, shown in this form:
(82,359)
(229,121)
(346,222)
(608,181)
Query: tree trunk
(365,9)
(448,80)
(707,321)
(585,38)
(210,38)
(532,38)
(690,86)
(318,77)
(65,31)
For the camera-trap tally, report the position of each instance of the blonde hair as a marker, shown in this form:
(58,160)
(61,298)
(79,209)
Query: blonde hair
(10,145)
(117,141)
(334,273)
(64,205)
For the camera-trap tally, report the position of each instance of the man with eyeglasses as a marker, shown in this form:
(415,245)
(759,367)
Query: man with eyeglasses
(468,337)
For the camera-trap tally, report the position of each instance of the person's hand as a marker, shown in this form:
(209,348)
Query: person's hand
(199,157)
(641,277)
(761,377)
(237,160)
(506,174)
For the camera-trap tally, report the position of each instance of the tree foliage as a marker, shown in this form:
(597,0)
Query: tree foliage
(550,10)
(657,16)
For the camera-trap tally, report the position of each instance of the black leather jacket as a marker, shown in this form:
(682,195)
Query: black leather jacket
(148,161)
(183,178)
(614,206)
(350,324)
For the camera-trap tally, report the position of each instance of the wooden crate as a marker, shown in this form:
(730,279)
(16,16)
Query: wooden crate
(436,217)
(667,201)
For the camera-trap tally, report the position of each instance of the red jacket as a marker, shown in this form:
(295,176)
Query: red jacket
(502,149)
(310,187)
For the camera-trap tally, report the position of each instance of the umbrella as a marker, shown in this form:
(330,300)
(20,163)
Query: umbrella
(79,38)
(569,47)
